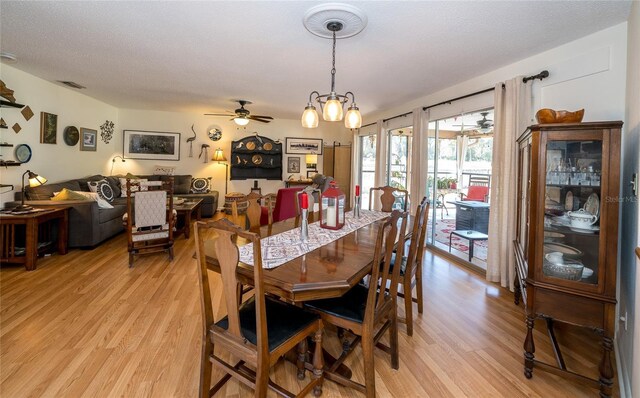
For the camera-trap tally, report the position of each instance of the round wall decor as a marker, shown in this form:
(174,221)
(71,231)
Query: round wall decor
(23,153)
(215,134)
(71,135)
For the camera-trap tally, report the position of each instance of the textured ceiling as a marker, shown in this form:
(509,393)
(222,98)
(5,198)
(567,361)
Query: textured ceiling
(197,56)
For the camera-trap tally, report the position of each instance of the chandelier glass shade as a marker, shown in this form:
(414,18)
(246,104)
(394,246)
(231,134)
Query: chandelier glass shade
(332,104)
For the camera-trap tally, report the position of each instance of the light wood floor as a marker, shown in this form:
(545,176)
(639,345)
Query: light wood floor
(85,324)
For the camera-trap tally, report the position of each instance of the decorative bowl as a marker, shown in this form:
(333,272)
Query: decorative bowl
(546,116)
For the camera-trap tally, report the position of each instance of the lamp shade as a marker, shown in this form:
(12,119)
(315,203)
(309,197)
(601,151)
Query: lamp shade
(36,180)
(311,159)
(218,156)
(310,117)
(353,119)
(241,121)
(332,111)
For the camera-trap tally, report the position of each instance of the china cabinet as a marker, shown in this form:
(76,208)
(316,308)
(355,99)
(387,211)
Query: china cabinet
(256,156)
(567,234)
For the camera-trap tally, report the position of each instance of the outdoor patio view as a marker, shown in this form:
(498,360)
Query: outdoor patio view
(459,150)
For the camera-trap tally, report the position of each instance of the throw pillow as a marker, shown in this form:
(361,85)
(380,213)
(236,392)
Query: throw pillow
(67,194)
(181,184)
(200,185)
(164,170)
(141,187)
(102,188)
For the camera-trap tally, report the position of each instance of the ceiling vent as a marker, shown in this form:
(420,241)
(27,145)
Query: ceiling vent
(71,84)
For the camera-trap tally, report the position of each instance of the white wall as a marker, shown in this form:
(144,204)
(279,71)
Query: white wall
(588,73)
(628,340)
(181,123)
(60,161)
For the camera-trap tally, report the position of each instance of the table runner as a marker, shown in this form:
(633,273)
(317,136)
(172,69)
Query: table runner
(283,247)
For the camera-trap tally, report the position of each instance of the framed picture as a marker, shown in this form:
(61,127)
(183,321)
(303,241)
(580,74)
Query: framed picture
(293,164)
(151,145)
(311,173)
(48,128)
(88,139)
(303,145)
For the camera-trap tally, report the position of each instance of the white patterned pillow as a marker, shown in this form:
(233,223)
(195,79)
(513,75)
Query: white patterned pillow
(123,186)
(102,188)
(200,185)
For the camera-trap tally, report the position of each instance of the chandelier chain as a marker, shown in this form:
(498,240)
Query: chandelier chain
(333,64)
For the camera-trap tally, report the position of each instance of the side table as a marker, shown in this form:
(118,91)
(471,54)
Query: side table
(471,236)
(33,230)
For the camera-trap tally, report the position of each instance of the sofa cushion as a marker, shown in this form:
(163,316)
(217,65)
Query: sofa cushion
(84,182)
(200,185)
(115,185)
(67,194)
(105,215)
(102,188)
(45,192)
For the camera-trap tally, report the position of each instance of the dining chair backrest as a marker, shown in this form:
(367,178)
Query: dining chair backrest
(390,236)
(253,211)
(269,201)
(285,207)
(418,237)
(388,196)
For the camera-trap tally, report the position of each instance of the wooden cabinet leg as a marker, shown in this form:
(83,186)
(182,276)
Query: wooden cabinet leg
(529,349)
(605,368)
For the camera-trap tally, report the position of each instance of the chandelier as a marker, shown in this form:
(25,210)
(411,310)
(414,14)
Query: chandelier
(332,104)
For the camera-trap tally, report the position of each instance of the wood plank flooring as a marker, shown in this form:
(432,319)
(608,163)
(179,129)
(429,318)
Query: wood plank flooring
(86,325)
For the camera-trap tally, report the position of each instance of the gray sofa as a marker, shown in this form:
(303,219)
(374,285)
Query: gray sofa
(90,225)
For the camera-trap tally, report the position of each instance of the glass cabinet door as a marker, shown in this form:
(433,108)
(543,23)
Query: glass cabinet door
(572,210)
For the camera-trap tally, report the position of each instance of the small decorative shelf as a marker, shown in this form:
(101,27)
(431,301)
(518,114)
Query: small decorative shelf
(5,164)
(6,145)
(7,104)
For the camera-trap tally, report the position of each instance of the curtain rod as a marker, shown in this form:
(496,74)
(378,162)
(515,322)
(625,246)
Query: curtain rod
(541,75)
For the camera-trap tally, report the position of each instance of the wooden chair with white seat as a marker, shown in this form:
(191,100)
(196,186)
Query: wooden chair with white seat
(258,331)
(362,309)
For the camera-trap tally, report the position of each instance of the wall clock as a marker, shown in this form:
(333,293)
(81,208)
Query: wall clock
(215,134)
(71,135)
(23,153)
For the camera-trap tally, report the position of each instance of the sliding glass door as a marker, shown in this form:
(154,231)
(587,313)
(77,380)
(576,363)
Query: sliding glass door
(459,153)
(399,160)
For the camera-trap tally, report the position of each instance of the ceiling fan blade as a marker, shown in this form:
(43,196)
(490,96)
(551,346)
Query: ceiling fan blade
(218,114)
(258,119)
(262,117)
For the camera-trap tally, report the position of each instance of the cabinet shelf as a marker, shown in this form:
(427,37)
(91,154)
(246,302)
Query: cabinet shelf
(7,104)
(573,186)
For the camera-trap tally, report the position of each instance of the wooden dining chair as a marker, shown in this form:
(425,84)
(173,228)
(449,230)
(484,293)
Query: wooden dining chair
(258,331)
(411,266)
(150,218)
(362,309)
(253,211)
(388,196)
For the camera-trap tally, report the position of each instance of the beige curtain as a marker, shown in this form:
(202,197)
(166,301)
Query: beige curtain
(462,144)
(381,159)
(512,114)
(419,158)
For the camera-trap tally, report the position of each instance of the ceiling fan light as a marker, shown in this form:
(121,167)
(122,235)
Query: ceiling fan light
(332,111)
(353,119)
(241,121)
(310,117)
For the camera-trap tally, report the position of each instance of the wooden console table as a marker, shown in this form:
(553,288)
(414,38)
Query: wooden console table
(35,232)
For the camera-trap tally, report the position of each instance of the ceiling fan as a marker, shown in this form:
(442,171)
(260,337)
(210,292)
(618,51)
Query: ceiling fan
(241,116)
(483,125)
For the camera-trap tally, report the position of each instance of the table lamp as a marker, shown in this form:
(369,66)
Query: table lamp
(34,181)
(218,156)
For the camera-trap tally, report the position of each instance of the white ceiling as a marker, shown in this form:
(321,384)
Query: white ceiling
(197,56)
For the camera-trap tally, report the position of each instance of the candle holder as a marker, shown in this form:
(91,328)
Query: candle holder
(304,226)
(356,207)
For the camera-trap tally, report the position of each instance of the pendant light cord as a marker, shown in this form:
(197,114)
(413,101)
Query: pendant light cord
(333,64)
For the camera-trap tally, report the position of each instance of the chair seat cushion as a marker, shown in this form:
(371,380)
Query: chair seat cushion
(351,305)
(283,321)
(403,266)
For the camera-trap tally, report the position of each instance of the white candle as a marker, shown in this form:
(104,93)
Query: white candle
(331,216)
